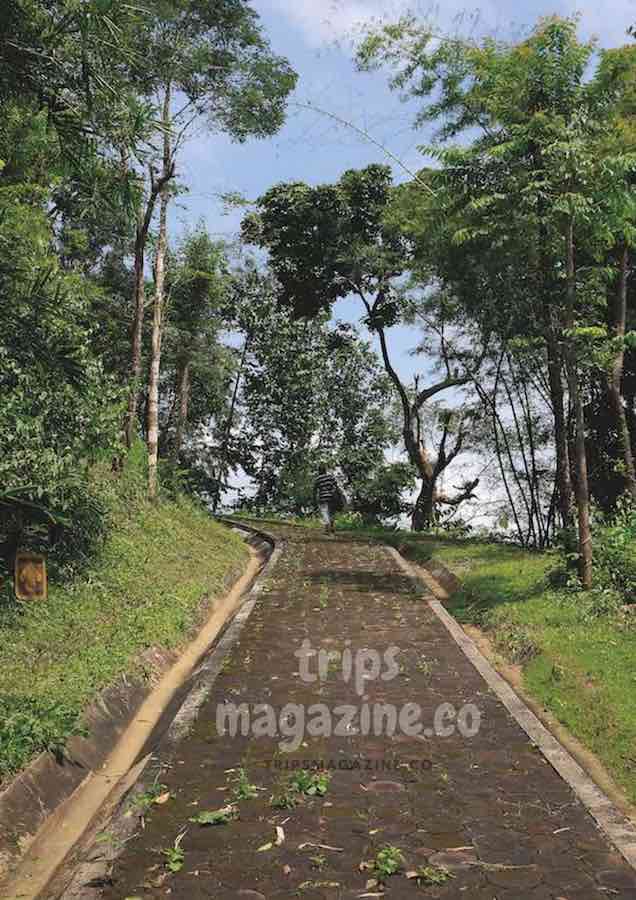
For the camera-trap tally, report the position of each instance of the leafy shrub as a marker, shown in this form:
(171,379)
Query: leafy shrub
(350,520)
(614,549)
(60,412)
(29,726)
(615,552)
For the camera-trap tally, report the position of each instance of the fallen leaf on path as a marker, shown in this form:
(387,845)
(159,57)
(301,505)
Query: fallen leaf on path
(371,883)
(321,847)
(162,798)
(280,835)
(267,846)
(286,870)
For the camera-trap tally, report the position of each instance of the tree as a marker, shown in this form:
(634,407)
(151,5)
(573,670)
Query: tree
(310,392)
(60,408)
(214,58)
(541,124)
(334,240)
(198,286)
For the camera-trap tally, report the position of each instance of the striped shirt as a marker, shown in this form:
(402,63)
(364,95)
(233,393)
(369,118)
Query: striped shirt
(326,487)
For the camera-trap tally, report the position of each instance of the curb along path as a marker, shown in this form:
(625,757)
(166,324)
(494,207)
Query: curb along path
(472,811)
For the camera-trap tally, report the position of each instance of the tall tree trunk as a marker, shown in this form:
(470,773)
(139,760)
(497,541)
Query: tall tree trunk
(555,359)
(564,480)
(424,513)
(144,219)
(183,399)
(139,301)
(619,315)
(580,458)
(158,307)
(230,422)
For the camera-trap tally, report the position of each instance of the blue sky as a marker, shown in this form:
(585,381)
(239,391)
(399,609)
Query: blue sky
(316,35)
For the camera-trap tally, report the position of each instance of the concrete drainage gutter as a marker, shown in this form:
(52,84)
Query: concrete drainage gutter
(51,808)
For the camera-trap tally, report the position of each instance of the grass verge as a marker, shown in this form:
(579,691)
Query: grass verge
(145,589)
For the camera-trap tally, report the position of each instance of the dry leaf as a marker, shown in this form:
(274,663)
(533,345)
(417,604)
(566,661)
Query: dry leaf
(320,847)
(371,883)
(286,870)
(267,846)
(280,835)
(162,798)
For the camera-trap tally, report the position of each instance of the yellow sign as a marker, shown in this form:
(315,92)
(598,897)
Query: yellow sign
(30,576)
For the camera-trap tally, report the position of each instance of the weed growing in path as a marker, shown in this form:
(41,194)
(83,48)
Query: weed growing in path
(427,876)
(388,861)
(301,784)
(155,794)
(243,789)
(175,857)
(216,817)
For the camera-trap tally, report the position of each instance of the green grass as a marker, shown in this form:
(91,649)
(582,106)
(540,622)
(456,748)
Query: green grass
(144,590)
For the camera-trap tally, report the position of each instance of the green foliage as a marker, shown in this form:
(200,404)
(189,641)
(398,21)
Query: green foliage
(146,800)
(243,788)
(311,784)
(61,410)
(327,241)
(174,858)
(216,817)
(614,563)
(301,784)
(312,392)
(388,861)
(31,725)
(427,876)
(143,589)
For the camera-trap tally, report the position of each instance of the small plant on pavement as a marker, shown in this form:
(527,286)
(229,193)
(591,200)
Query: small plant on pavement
(388,861)
(175,857)
(216,817)
(311,784)
(424,666)
(151,797)
(427,876)
(301,784)
(243,789)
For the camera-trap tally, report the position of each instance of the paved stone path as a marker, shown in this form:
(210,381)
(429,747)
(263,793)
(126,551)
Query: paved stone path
(484,816)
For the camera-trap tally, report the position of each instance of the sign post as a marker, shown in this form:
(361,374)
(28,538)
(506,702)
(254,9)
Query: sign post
(30,576)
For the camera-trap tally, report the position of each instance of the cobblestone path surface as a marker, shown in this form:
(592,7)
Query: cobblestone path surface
(482,817)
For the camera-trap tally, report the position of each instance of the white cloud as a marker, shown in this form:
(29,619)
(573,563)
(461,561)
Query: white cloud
(609,29)
(325,21)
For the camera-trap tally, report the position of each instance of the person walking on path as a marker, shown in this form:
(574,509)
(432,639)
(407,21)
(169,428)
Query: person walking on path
(326,494)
